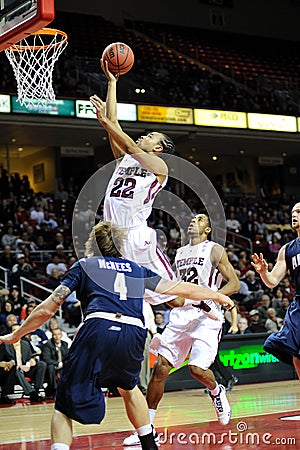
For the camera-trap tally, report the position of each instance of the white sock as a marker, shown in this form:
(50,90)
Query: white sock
(152,413)
(59,446)
(215,391)
(142,431)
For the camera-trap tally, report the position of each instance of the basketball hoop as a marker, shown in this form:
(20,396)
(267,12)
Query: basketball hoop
(33,60)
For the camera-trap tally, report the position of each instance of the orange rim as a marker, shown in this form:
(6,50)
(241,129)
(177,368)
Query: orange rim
(44,31)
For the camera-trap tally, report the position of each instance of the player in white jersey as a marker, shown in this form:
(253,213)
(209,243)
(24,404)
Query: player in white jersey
(189,330)
(139,175)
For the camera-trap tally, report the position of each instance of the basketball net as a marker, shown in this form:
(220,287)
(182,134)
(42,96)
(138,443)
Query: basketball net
(32,60)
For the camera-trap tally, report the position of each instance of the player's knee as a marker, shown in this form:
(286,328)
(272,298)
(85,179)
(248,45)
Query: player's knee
(161,369)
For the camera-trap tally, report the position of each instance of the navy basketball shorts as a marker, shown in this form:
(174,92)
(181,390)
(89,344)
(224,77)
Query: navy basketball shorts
(104,353)
(285,343)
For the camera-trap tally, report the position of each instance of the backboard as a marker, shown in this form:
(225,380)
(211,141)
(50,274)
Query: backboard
(20,18)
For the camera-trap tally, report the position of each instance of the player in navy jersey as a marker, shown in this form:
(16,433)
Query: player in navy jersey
(108,347)
(285,344)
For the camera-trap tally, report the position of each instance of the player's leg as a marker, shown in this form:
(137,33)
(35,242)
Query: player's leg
(174,346)
(137,412)
(296,362)
(205,377)
(203,353)
(61,431)
(157,382)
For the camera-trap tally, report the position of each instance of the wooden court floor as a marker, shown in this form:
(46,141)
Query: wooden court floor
(265,415)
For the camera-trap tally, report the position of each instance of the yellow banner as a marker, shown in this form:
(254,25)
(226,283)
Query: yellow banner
(148,113)
(272,122)
(215,118)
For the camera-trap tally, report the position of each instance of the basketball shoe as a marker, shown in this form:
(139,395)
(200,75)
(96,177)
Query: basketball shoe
(134,439)
(221,406)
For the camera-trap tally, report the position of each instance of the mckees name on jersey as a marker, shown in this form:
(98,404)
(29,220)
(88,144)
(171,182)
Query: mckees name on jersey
(112,265)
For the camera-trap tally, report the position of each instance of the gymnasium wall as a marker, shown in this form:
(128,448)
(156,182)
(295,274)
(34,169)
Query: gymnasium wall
(40,168)
(268,18)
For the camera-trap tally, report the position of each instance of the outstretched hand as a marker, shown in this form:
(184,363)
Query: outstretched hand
(8,338)
(110,76)
(99,105)
(259,263)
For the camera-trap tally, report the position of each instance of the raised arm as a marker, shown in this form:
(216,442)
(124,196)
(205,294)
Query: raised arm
(192,291)
(148,160)
(271,279)
(111,107)
(39,315)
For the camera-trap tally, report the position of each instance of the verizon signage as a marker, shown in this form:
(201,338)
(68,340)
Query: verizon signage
(125,111)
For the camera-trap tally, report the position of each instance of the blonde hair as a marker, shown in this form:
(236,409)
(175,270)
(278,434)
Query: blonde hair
(105,239)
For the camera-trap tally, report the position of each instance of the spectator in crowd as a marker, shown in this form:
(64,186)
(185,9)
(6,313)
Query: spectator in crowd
(54,279)
(27,308)
(232,223)
(60,240)
(288,289)
(21,269)
(243,296)
(11,320)
(159,322)
(7,259)
(56,264)
(261,225)
(6,211)
(34,344)
(24,241)
(61,194)
(63,257)
(9,238)
(41,244)
(255,326)
(20,215)
(233,255)
(49,222)
(53,324)
(38,336)
(243,326)
(253,282)
(7,379)
(274,247)
(54,354)
(28,258)
(273,323)
(7,308)
(25,365)
(37,214)
(266,304)
(16,299)
(285,303)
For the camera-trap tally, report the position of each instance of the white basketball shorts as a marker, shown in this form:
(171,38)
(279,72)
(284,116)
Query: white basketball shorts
(190,331)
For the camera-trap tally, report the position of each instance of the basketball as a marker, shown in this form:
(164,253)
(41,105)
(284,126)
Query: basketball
(119,56)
